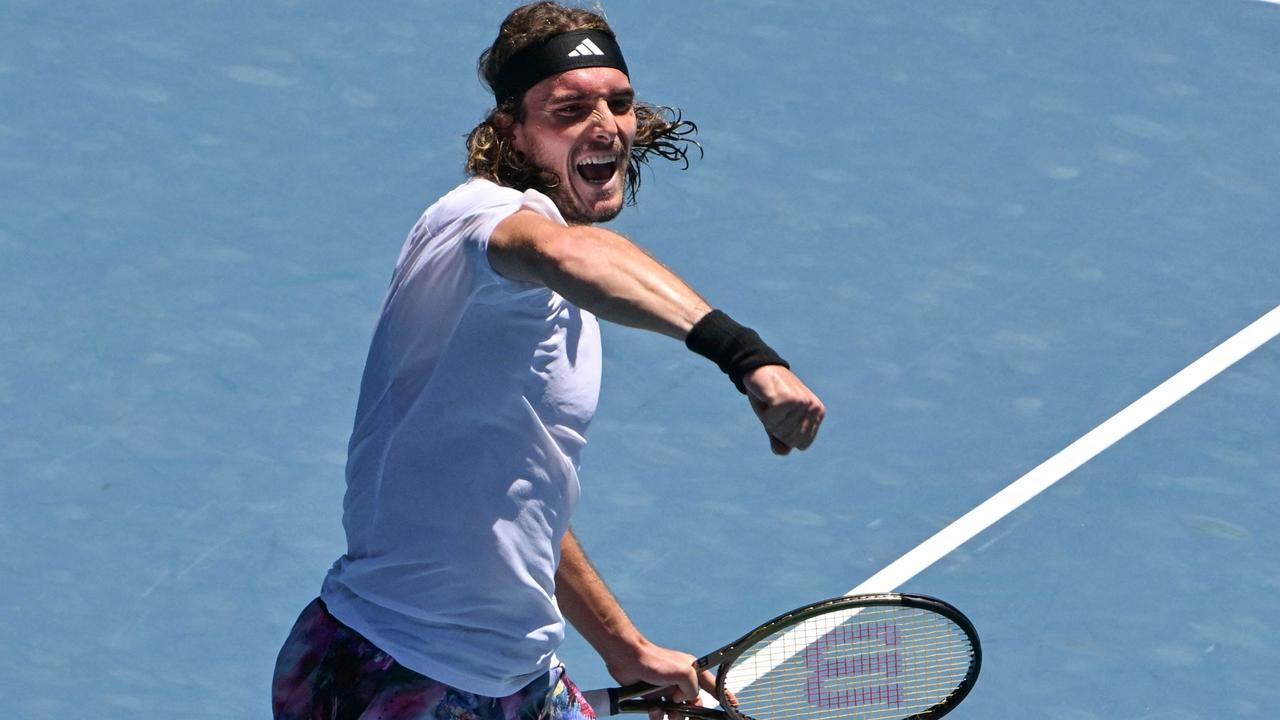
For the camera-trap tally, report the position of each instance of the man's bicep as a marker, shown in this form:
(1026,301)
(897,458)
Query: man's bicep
(520,246)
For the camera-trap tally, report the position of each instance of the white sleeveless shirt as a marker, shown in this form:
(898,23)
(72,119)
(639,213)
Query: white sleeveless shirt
(462,466)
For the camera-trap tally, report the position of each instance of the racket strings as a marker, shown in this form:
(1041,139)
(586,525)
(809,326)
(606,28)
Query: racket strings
(871,663)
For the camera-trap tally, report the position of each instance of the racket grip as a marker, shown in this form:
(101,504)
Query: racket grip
(607,702)
(627,691)
(599,701)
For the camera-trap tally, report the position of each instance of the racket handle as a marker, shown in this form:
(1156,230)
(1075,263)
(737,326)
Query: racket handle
(627,691)
(599,701)
(605,701)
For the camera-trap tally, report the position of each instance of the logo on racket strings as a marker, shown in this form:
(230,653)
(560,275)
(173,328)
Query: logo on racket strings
(849,667)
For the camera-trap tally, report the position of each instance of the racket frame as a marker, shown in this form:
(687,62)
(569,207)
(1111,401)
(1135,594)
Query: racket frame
(623,699)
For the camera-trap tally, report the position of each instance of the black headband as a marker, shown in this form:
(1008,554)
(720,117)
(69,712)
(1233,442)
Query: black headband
(567,51)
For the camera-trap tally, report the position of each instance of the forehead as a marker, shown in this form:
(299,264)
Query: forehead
(589,82)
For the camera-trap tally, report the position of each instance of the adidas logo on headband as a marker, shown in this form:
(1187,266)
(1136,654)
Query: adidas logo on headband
(586,47)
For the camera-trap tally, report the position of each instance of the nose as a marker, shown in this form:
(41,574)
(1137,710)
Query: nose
(604,124)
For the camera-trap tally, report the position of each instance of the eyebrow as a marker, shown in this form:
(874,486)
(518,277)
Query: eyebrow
(574,96)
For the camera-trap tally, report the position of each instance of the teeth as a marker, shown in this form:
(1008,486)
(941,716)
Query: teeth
(599,160)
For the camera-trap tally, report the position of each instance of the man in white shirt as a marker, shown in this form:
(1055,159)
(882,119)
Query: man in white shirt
(481,379)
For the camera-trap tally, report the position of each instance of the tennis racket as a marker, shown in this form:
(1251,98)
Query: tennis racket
(862,657)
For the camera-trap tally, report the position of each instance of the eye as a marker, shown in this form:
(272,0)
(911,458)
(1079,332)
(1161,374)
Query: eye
(569,111)
(621,106)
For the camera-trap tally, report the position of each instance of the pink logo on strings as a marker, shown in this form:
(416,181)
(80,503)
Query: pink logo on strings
(885,664)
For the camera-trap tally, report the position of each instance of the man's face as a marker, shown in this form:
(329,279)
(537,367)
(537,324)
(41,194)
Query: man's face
(580,125)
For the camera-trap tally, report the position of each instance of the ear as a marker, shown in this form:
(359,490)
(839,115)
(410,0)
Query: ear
(510,129)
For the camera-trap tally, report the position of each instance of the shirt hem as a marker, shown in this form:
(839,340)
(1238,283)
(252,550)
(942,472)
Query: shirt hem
(343,605)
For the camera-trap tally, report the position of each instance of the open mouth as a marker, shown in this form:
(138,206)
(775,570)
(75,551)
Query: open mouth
(598,169)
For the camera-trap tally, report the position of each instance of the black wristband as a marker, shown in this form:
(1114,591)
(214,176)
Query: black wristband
(736,349)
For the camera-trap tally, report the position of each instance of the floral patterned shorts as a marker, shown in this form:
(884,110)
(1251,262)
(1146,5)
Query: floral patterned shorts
(327,670)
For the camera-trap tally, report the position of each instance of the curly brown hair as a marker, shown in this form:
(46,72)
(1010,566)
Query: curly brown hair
(660,131)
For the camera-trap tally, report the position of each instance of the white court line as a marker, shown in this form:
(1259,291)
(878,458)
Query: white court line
(1050,471)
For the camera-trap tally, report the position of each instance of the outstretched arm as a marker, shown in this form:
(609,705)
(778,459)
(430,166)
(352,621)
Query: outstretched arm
(630,657)
(607,274)
(596,269)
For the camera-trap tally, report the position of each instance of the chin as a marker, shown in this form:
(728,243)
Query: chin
(605,213)
(576,210)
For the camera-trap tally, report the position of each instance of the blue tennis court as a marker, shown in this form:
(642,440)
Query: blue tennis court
(977,230)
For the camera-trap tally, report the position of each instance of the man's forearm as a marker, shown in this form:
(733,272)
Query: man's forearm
(589,605)
(627,653)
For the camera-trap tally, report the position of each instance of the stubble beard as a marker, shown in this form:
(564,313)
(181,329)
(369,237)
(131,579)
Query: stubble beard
(572,210)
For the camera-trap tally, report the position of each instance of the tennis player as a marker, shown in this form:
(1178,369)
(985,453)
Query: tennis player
(482,376)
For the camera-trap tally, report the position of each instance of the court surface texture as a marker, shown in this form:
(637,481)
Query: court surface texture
(977,230)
